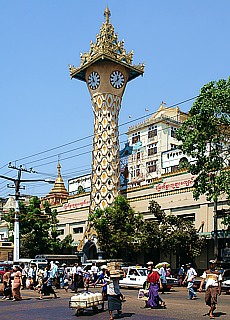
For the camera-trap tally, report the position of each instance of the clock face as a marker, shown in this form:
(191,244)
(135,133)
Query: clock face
(117,79)
(94,80)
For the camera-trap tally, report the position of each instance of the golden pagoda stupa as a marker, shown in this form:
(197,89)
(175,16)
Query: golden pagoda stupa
(58,193)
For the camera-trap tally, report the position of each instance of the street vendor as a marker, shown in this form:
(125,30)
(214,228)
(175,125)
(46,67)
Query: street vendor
(114,296)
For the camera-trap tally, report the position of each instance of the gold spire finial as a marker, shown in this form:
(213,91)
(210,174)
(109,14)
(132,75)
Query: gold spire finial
(107,14)
(59,186)
(59,169)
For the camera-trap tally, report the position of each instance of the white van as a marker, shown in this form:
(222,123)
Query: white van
(39,263)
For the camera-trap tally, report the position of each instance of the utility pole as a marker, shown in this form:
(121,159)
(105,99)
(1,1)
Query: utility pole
(215,230)
(17,188)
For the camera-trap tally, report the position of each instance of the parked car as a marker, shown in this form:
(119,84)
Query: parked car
(225,285)
(135,277)
(2,269)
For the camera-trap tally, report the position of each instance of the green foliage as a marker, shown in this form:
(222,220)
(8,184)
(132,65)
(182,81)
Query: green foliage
(226,221)
(80,190)
(122,233)
(205,136)
(38,229)
(118,229)
(169,233)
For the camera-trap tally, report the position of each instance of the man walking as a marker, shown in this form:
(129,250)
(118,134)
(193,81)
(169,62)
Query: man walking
(163,274)
(74,276)
(212,279)
(190,276)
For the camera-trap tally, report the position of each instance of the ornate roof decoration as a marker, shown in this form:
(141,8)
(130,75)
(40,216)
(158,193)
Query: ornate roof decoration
(106,47)
(59,186)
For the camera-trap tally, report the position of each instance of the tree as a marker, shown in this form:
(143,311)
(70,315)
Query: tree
(38,229)
(122,233)
(80,190)
(117,229)
(170,233)
(205,136)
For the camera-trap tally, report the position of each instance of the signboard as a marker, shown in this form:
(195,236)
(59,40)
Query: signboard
(174,185)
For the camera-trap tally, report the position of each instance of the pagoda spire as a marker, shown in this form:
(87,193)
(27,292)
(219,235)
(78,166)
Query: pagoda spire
(107,14)
(58,193)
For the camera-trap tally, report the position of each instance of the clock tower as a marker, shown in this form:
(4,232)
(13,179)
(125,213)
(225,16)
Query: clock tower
(106,69)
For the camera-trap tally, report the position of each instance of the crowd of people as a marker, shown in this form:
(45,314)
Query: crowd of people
(30,277)
(56,275)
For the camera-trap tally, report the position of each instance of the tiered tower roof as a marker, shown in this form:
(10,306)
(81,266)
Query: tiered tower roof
(106,47)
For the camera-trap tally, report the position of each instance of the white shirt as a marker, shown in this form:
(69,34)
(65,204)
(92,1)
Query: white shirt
(113,287)
(191,274)
(79,271)
(211,278)
(94,269)
(74,270)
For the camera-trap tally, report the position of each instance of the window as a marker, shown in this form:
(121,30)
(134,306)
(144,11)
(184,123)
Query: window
(78,230)
(151,166)
(135,137)
(138,170)
(61,231)
(152,149)
(173,132)
(173,146)
(152,132)
(187,217)
(138,155)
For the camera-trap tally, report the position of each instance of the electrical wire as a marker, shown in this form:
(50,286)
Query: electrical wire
(90,136)
(84,146)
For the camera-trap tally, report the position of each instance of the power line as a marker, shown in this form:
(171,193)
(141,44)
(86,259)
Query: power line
(84,146)
(71,150)
(90,136)
(55,148)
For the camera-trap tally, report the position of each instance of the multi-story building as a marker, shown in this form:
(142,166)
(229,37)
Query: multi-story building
(154,146)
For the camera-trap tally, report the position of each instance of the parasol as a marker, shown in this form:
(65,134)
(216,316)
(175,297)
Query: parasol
(160,264)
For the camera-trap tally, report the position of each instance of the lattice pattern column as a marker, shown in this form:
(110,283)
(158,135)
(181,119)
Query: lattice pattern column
(105,156)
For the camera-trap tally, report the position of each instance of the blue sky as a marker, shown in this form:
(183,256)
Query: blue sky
(184,45)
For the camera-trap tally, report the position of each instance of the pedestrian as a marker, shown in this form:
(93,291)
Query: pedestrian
(114,296)
(74,276)
(163,274)
(54,273)
(86,280)
(80,273)
(181,275)
(102,280)
(47,288)
(154,283)
(94,271)
(17,284)
(32,276)
(60,277)
(190,276)
(24,275)
(212,279)
(66,284)
(66,278)
(7,289)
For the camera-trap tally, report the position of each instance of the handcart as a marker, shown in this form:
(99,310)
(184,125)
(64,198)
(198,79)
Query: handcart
(80,306)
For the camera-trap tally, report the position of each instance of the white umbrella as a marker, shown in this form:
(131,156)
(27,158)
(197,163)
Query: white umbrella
(160,264)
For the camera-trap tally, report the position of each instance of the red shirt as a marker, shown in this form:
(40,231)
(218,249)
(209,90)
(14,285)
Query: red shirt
(153,277)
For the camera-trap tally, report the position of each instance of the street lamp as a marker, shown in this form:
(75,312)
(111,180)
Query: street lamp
(16,211)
